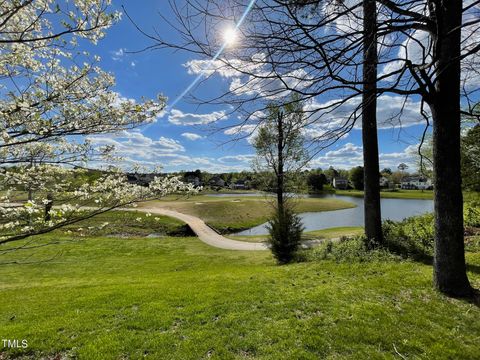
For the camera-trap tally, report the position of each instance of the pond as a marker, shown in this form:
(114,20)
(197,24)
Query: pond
(393,209)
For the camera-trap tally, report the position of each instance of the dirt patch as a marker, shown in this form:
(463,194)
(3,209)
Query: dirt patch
(471,231)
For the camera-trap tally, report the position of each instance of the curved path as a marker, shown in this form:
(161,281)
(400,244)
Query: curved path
(206,233)
(203,231)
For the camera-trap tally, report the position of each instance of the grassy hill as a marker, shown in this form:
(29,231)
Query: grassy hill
(177,298)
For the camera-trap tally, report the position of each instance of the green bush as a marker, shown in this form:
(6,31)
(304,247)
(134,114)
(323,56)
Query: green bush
(471,213)
(412,237)
(349,250)
(285,229)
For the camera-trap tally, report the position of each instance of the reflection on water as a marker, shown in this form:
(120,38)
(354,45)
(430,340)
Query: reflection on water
(393,209)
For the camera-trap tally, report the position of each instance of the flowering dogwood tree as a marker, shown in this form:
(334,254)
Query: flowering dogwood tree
(51,96)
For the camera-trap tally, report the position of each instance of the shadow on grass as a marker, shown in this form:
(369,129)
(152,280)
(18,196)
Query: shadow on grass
(413,251)
(420,255)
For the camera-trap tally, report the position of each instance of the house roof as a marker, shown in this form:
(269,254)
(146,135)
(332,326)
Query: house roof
(414,178)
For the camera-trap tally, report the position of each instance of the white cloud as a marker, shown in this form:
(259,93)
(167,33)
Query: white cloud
(118,55)
(135,145)
(178,117)
(270,85)
(262,81)
(137,149)
(246,129)
(242,158)
(226,68)
(392,111)
(192,136)
(350,155)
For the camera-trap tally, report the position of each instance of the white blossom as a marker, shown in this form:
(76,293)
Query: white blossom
(52,97)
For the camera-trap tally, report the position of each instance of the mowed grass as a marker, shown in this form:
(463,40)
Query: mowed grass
(332,233)
(325,234)
(177,298)
(397,194)
(231,214)
(128,223)
(409,194)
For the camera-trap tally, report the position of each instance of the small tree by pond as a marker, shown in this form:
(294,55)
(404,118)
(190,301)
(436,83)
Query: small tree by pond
(285,229)
(280,149)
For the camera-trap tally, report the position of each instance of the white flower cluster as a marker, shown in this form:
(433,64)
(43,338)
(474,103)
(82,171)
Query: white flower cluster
(58,199)
(50,89)
(53,95)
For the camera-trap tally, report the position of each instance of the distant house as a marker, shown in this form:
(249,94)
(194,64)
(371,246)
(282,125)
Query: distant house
(340,183)
(192,179)
(216,181)
(239,185)
(140,179)
(416,182)
(384,182)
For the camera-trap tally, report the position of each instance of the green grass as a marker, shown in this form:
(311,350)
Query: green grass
(177,298)
(231,214)
(128,223)
(330,233)
(409,194)
(15,195)
(471,196)
(397,194)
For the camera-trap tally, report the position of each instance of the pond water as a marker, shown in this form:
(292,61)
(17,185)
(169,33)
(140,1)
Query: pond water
(393,209)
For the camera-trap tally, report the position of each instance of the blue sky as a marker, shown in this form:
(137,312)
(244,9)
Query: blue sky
(178,140)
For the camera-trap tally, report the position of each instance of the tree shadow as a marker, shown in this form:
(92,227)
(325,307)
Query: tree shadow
(473,268)
(422,255)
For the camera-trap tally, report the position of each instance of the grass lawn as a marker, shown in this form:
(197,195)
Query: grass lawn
(15,195)
(128,223)
(309,235)
(231,214)
(177,298)
(398,194)
(409,194)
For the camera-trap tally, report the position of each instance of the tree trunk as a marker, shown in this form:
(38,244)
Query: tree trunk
(48,207)
(280,170)
(449,264)
(373,218)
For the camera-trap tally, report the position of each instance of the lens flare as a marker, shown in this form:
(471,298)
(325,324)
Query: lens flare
(230,37)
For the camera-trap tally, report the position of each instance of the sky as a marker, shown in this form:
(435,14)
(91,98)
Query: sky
(188,136)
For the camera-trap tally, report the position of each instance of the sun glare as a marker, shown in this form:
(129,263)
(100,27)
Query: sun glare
(230,37)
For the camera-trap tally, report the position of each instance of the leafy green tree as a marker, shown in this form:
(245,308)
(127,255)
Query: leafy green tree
(471,159)
(356,177)
(280,150)
(330,173)
(285,229)
(316,180)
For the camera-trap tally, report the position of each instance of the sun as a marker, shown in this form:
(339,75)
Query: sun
(230,37)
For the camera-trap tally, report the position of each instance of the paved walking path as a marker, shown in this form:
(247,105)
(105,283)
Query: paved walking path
(203,231)
(206,233)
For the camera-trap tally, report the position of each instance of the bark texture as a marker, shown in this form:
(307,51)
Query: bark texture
(450,275)
(280,166)
(373,217)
